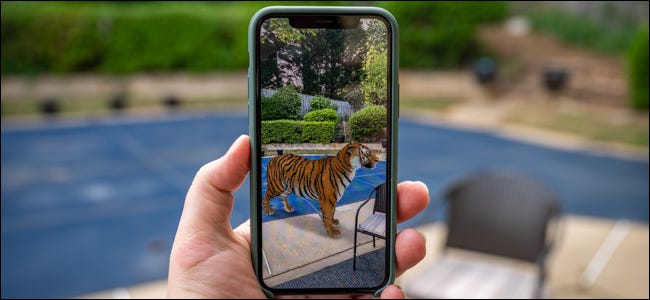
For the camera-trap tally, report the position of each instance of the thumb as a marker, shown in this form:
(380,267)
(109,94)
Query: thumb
(209,201)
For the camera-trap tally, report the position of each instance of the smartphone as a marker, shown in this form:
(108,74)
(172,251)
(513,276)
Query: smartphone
(323,108)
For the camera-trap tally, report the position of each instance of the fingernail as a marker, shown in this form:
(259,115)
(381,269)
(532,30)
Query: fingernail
(425,186)
(423,236)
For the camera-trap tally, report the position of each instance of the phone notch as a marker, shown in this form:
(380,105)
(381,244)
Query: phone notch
(324,21)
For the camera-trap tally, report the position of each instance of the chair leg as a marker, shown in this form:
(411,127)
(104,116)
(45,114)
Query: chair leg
(354,253)
(373,241)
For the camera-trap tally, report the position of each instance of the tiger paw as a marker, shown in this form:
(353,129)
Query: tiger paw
(288,208)
(334,233)
(269,211)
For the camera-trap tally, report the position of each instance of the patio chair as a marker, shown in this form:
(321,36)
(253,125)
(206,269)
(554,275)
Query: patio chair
(503,224)
(375,224)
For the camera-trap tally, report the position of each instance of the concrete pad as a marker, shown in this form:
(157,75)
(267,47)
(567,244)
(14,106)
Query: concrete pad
(625,274)
(298,245)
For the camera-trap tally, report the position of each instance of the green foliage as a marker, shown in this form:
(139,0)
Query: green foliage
(325,61)
(119,37)
(281,131)
(125,37)
(368,124)
(323,115)
(284,104)
(613,36)
(320,102)
(374,83)
(638,70)
(291,131)
(441,34)
(317,132)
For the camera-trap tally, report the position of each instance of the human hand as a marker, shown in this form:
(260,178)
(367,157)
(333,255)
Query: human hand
(211,260)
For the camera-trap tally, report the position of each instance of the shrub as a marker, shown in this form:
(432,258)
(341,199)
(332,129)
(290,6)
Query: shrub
(281,131)
(613,35)
(323,115)
(284,104)
(367,125)
(441,33)
(118,37)
(638,70)
(129,37)
(320,102)
(317,132)
(291,131)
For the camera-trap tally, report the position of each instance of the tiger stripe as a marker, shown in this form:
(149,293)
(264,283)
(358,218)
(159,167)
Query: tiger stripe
(323,179)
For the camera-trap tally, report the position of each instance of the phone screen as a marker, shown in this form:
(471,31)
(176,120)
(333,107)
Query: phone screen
(323,122)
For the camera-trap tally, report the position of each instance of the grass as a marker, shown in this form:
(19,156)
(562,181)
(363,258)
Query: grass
(630,131)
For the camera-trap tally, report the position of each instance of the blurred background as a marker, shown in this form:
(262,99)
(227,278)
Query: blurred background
(109,108)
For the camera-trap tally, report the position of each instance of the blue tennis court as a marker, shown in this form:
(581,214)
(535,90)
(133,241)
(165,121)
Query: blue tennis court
(358,190)
(93,205)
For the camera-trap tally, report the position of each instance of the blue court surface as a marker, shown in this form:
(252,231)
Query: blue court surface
(94,205)
(359,189)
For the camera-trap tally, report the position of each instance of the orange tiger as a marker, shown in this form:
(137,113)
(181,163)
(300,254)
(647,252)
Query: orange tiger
(324,179)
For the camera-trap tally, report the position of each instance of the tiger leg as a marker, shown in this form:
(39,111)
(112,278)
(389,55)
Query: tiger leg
(287,207)
(328,218)
(270,194)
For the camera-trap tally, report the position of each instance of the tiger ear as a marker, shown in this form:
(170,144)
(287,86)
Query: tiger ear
(350,150)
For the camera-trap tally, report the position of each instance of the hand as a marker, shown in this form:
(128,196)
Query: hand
(211,260)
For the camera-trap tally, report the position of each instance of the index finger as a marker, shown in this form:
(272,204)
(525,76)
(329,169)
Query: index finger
(412,198)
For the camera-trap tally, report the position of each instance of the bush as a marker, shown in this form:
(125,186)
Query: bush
(323,115)
(290,131)
(320,102)
(129,37)
(613,35)
(284,104)
(367,125)
(317,132)
(435,34)
(118,37)
(638,70)
(281,131)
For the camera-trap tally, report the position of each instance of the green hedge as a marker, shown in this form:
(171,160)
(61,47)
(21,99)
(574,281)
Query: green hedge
(290,131)
(126,37)
(638,70)
(317,132)
(281,131)
(368,124)
(323,115)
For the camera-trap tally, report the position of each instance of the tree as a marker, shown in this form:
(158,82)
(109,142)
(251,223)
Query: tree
(319,61)
(374,83)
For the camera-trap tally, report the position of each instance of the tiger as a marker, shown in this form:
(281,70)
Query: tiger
(324,180)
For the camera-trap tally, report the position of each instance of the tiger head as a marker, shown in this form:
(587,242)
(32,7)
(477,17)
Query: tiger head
(360,156)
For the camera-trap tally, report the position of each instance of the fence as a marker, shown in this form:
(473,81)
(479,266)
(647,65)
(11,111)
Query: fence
(344,108)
